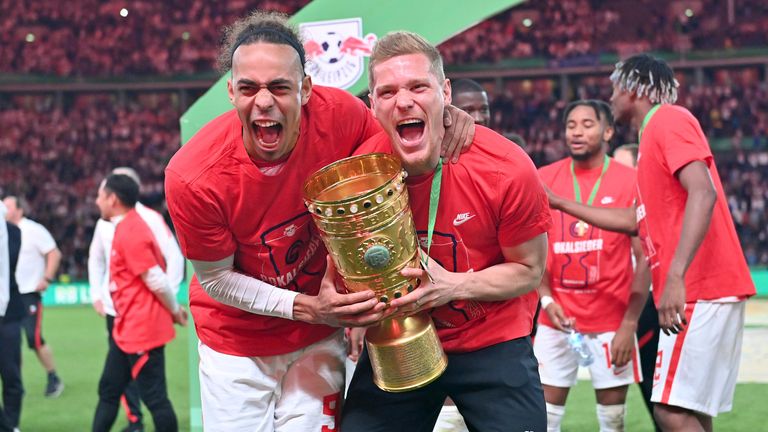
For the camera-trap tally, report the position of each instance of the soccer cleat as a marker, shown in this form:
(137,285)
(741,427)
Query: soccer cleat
(54,388)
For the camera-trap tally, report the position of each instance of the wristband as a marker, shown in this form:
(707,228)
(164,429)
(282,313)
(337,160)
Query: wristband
(546,301)
(49,280)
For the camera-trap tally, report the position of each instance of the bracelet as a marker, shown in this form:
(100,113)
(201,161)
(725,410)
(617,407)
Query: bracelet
(546,301)
(49,280)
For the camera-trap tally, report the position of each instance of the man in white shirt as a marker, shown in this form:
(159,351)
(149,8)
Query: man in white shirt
(98,277)
(38,262)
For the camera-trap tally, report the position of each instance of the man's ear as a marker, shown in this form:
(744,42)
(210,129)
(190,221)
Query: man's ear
(231,91)
(447,91)
(608,133)
(306,89)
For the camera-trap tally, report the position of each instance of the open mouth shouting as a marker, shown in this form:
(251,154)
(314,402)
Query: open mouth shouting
(410,130)
(268,133)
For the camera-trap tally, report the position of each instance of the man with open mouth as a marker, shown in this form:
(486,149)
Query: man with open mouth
(271,351)
(484,222)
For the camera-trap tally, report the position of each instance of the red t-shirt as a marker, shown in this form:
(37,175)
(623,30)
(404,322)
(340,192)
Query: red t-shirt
(589,269)
(142,322)
(492,198)
(671,140)
(222,205)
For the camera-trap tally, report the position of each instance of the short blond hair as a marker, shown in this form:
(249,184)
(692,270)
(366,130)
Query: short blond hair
(400,43)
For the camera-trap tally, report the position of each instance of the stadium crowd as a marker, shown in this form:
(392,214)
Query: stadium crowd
(181,37)
(615,27)
(55,157)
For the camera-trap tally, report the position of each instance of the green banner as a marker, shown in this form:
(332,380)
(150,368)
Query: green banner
(338,37)
(78,293)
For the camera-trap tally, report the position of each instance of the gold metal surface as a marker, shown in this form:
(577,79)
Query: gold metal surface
(360,207)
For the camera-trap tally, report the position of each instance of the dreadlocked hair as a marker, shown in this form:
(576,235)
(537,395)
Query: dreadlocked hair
(645,75)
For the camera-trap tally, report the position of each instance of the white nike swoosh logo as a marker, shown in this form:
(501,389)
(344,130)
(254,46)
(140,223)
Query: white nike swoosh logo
(457,222)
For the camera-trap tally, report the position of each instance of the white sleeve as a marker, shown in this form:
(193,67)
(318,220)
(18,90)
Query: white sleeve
(174,260)
(97,262)
(224,284)
(45,241)
(157,282)
(5,264)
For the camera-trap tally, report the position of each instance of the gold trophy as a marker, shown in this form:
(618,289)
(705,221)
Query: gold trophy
(360,206)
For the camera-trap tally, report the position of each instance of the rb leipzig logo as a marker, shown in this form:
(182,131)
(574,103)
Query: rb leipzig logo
(335,51)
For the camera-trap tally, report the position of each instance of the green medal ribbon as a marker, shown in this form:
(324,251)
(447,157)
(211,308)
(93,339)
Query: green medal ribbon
(593,194)
(434,199)
(646,119)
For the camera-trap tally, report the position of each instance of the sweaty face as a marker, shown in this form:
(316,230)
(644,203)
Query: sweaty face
(268,88)
(408,100)
(474,104)
(585,133)
(621,105)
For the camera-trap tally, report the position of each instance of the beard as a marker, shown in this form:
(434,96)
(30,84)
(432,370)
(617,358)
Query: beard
(582,156)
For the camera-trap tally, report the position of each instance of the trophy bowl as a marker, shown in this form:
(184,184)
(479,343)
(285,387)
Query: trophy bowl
(360,207)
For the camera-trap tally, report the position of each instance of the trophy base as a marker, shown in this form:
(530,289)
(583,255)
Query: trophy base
(405,353)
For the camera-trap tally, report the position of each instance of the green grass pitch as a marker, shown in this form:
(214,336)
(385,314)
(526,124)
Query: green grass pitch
(78,338)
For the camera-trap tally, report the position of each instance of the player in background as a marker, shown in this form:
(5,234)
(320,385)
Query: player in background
(700,277)
(470,97)
(487,254)
(590,285)
(145,306)
(98,277)
(271,351)
(38,263)
(648,324)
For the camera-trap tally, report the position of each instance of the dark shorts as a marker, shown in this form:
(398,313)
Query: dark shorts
(495,389)
(33,320)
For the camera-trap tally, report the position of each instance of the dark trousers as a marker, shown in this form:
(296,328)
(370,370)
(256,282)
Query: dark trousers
(648,340)
(10,371)
(496,388)
(148,370)
(131,398)
(33,320)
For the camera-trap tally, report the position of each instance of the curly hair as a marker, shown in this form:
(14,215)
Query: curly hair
(259,26)
(648,76)
(602,110)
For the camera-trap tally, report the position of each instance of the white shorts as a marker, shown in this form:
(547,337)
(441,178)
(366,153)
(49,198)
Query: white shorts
(558,365)
(295,392)
(697,368)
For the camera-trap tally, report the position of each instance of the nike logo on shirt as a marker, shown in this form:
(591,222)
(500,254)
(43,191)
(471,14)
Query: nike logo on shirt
(462,218)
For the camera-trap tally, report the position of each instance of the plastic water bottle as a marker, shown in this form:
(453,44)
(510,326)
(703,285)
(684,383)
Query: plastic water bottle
(579,346)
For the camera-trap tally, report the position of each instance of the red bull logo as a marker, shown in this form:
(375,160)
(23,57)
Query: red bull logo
(335,51)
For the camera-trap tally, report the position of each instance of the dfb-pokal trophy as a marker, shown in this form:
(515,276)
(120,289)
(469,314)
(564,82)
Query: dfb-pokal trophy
(360,206)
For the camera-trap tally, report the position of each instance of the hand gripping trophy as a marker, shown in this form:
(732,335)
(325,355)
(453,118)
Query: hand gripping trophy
(360,206)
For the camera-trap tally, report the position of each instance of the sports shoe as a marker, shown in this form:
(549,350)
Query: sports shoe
(133,427)
(54,388)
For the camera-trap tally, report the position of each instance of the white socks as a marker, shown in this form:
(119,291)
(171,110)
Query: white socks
(610,417)
(555,415)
